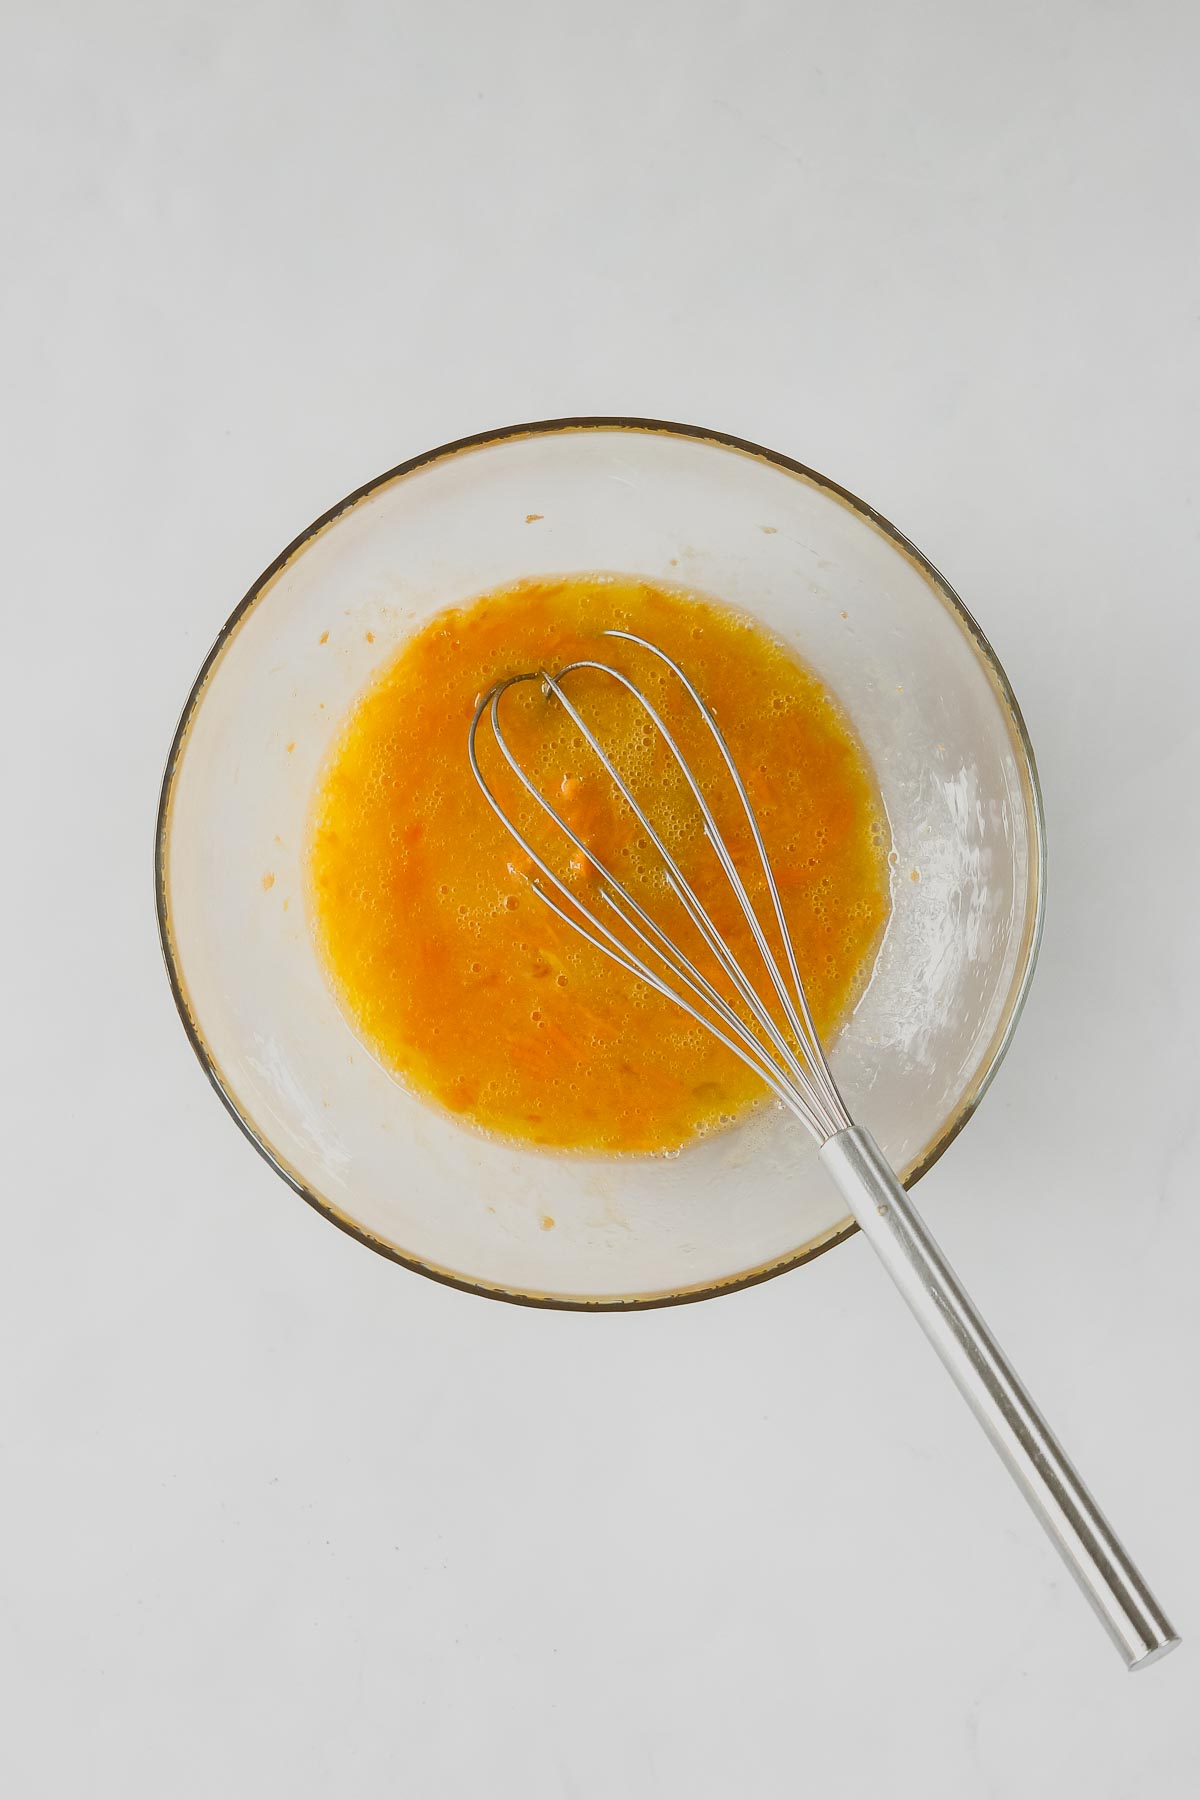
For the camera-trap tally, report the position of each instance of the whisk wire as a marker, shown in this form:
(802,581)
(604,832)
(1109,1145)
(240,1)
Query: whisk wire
(798,1074)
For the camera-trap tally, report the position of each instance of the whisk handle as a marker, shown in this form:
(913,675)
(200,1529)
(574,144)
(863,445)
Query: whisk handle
(902,1241)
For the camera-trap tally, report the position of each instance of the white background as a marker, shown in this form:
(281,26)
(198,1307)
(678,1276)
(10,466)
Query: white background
(280,1518)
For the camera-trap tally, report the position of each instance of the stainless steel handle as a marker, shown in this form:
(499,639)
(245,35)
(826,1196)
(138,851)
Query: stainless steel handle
(900,1238)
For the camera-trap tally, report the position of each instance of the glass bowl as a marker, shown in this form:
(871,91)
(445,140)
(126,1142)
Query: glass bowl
(694,508)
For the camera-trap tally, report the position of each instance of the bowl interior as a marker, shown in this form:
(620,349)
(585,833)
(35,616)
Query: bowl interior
(864,610)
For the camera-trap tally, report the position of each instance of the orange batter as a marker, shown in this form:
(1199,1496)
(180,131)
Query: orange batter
(452,970)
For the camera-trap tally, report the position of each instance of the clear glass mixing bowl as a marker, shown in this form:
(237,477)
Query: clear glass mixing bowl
(860,604)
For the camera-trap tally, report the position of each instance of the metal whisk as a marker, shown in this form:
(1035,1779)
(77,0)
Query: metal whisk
(789,1058)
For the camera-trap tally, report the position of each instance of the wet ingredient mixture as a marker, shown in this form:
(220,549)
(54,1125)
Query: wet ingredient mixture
(461,981)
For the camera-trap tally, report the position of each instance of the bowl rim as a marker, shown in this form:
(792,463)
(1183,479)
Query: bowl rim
(1031,936)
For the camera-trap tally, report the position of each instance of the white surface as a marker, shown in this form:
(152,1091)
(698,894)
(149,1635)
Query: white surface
(282,1519)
